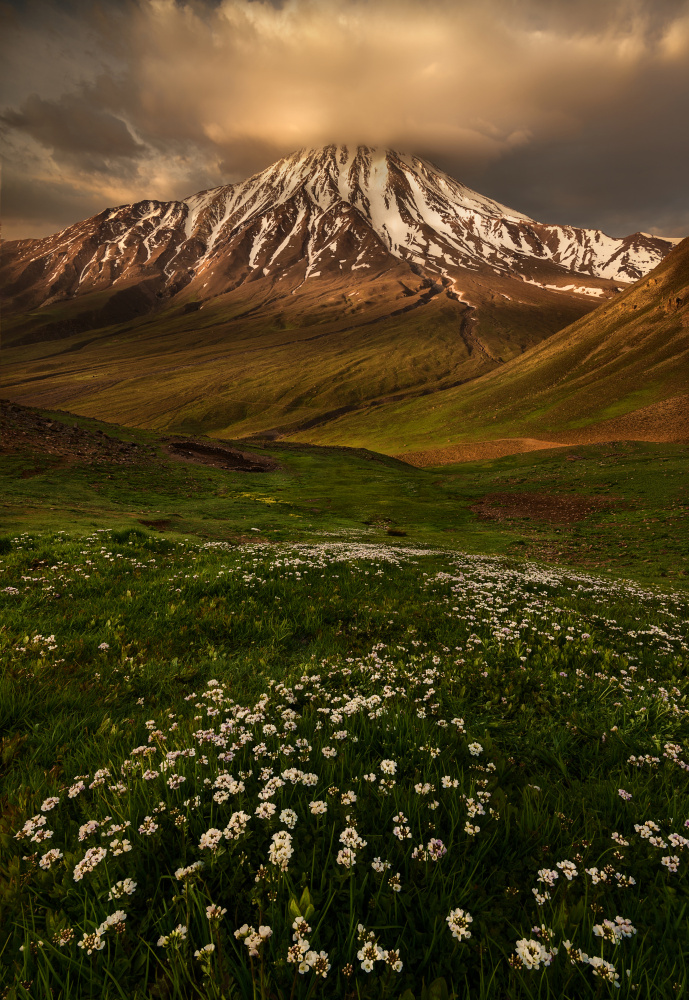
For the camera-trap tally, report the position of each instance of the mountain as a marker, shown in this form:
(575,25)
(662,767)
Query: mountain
(621,372)
(333,278)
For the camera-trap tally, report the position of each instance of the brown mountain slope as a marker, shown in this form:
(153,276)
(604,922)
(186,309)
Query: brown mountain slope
(335,279)
(620,372)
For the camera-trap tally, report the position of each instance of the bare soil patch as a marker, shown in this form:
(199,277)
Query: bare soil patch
(476,451)
(220,457)
(553,507)
(22,429)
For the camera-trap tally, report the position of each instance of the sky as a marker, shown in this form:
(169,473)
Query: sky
(571,111)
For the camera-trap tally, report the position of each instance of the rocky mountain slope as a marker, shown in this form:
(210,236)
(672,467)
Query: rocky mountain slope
(621,372)
(334,278)
(314,214)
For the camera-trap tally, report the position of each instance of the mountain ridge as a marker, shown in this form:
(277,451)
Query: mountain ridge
(315,207)
(335,278)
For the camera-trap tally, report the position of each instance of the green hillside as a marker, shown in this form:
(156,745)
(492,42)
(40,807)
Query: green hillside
(630,353)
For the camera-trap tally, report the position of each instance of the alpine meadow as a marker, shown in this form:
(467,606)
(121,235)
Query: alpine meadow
(344,510)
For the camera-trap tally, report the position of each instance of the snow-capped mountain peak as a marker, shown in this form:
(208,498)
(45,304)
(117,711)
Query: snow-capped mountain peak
(336,210)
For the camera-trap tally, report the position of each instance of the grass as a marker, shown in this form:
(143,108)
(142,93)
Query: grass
(479,715)
(345,493)
(509,702)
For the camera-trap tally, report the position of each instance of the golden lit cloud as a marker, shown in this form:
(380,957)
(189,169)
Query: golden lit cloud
(159,98)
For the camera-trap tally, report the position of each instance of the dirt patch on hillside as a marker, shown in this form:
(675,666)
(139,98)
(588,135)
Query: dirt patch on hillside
(476,451)
(22,429)
(220,457)
(552,507)
(665,421)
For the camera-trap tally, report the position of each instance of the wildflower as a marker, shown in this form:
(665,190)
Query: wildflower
(392,960)
(547,875)
(370,777)
(63,937)
(471,829)
(346,857)
(210,839)
(624,795)
(568,869)
(50,803)
(319,963)
(205,952)
(448,782)
(49,857)
(540,897)
(318,807)
(300,928)
(253,939)
(380,866)
(296,954)
(174,938)
(625,928)
(265,810)
(329,752)
(92,858)
(603,970)
(348,798)
(86,829)
(475,749)
(92,942)
(369,954)
(671,862)
(126,887)
(388,767)
(104,646)
(350,838)
(395,882)
(120,846)
(236,825)
(175,780)
(281,850)
(289,818)
(115,920)
(189,871)
(458,921)
(214,912)
(620,839)
(434,851)
(533,954)
(76,789)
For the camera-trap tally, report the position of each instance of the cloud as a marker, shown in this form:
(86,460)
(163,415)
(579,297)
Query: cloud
(572,112)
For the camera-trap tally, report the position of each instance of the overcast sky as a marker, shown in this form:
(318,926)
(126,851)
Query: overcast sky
(573,111)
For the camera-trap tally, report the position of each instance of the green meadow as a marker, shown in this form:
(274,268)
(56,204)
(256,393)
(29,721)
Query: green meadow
(346,729)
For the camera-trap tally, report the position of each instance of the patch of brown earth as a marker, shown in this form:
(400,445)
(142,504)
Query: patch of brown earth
(665,421)
(476,451)
(23,429)
(553,507)
(220,457)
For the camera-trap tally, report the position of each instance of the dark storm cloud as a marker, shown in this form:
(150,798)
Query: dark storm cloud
(73,129)
(571,111)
